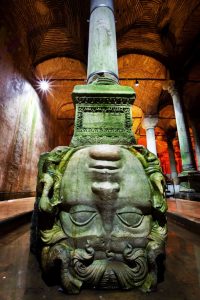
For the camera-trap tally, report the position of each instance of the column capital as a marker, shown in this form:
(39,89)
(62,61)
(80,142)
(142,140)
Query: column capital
(169,85)
(149,121)
(101,3)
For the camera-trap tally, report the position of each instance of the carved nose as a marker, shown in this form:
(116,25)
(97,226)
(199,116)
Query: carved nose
(110,254)
(105,188)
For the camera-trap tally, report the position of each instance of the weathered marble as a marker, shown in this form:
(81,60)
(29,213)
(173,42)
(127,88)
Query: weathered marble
(95,223)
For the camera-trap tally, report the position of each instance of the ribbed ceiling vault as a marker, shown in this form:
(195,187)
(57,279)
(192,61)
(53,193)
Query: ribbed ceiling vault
(167,29)
(152,37)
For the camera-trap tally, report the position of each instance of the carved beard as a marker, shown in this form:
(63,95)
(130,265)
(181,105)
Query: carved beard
(126,273)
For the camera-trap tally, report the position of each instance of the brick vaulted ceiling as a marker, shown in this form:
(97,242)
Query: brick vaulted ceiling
(154,39)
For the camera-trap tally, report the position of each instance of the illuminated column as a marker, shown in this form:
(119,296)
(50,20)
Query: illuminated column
(174,174)
(149,124)
(103,107)
(102,50)
(196,143)
(187,156)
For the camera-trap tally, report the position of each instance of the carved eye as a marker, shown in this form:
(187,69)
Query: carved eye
(82,216)
(131,219)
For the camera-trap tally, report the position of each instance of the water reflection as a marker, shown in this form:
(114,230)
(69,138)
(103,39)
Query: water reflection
(20,277)
(14,263)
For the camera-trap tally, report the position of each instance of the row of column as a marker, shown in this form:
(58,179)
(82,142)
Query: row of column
(187,155)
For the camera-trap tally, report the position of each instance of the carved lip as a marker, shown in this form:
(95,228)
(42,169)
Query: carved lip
(101,166)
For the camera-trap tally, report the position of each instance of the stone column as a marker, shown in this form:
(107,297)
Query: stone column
(102,50)
(174,174)
(103,107)
(187,156)
(149,124)
(196,143)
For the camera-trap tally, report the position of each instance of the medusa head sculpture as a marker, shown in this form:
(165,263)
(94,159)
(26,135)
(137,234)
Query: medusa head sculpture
(100,217)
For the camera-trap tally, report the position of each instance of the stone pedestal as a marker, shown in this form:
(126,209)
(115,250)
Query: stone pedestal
(190,182)
(103,115)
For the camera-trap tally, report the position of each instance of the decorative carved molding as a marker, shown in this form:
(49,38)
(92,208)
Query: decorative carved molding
(103,115)
(103,100)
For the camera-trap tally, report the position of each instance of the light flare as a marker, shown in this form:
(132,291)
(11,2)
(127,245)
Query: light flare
(44,85)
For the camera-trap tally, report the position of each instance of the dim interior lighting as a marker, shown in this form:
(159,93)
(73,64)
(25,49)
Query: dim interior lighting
(136,82)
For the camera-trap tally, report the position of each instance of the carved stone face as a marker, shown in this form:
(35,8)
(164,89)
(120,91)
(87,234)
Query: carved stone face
(101,216)
(106,214)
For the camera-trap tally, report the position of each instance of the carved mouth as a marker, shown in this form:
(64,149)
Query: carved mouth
(105,159)
(104,166)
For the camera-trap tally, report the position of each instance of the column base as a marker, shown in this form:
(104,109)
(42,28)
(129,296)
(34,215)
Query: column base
(189,181)
(172,189)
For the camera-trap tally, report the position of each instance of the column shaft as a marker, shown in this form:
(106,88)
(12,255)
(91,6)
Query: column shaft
(149,124)
(174,174)
(183,135)
(196,144)
(151,140)
(187,156)
(102,49)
